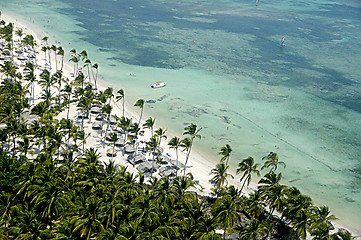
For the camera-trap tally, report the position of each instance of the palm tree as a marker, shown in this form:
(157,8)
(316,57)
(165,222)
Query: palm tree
(254,205)
(29,40)
(46,82)
(68,91)
(49,48)
(272,161)
(95,65)
(182,183)
(220,177)
(252,231)
(275,197)
(75,58)
(268,181)
(24,146)
(160,133)
(40,109)
(84,105)
(248,167)
(61,53)
(88,218)
(135,129)
(113,136)
(8,69)
(30,76)
(301,223)
(124,124)
(296,202)
(193,131)
(83,54)
(186,144)
(29,225)
(44,49)
(320,231)
(109,93)
(20,33)
(342,234)
(58,77)
(67,126)
(54,48)
(149,123)
(50,200)
(323,215)
(45,39)
(226,153)
(107,109)
(87,63)
(120,97)
(80,80)
(225,211)
(175,143)
(140,104)
(153,146)
(82,136)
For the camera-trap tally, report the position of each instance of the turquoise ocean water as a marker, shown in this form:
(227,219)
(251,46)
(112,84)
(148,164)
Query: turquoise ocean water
(227,72)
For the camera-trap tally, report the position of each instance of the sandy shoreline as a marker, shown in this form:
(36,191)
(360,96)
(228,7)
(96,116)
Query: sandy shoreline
(199,166)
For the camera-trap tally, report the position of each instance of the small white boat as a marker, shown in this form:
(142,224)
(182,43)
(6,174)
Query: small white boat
(158,84)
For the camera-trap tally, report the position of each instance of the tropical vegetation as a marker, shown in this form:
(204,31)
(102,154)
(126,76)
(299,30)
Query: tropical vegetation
(54,187)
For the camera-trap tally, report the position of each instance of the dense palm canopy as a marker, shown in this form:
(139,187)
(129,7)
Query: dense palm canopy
(53,190)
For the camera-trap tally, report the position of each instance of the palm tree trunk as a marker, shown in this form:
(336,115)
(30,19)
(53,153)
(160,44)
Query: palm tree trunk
(56,62)
(14,145)
(96,78)
(176,152)
(123,106)
(62,62)
(89,74)
(67,115)
(34,90)
(125,137)
(187,157)
(49,59)
(46,59)
(151,172)
(244,182)
(140,118)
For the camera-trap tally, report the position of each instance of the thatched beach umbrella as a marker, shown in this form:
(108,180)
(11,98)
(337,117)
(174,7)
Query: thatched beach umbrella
(83,114)
(136,159)
(112,120)
(147,166)
(120,141)
(97,125)
(111,152)
(177,164)
(168,171)
(95,110)
(99,117)
(129,148)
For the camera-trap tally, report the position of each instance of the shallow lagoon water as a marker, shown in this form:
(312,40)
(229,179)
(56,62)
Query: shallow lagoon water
(227,73)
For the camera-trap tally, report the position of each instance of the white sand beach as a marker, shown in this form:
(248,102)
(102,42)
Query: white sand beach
(198,165)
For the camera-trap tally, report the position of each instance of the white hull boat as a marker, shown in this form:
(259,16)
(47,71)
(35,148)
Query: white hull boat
(158,84)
